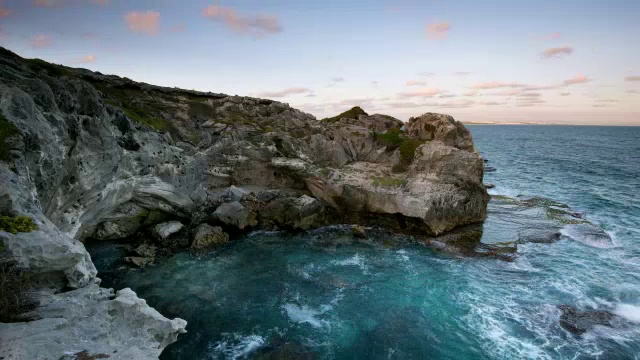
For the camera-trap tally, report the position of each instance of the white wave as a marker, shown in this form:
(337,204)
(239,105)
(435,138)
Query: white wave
(306,315)
(402,255)
(628,311)
(587,234)
(355,260)
(237,346)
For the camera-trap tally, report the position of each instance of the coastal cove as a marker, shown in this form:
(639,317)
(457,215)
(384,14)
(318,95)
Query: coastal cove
(140,221)
(326,292)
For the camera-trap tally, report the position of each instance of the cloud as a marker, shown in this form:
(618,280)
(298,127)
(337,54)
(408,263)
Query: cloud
(90,35)
(100,2)
(461,73)
(426,73)
(557,52)
(633,91)
(552,36)
(607,100)
(41,41)
(283,93)
(578,79)
(337,79)
(529,95)
(147,23)
(257,25)
(632,78)
(438,31)
(46,3)
(427,92)
(565,93)
(374,83)
(457,104)
(470,93)
(416,83)
(511,92)
(538,88)
(4,12)
(447,96)
(495,85)
(88,59)
(311,95)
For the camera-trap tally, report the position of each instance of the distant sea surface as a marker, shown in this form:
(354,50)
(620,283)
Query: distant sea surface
(270,294)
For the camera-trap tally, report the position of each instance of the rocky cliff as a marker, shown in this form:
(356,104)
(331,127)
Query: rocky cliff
(89,156)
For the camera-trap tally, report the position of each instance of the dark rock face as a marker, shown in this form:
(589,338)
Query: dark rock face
(579,322)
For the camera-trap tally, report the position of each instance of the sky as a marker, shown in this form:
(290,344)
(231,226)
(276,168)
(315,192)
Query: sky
(542,61)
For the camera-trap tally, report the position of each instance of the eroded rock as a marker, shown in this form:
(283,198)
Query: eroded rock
(209,237)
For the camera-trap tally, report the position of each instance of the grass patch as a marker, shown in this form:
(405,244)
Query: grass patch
(39,66)
(7,130)
(352,113)
(16,224)
(200,110)
(395,139)
(388,181)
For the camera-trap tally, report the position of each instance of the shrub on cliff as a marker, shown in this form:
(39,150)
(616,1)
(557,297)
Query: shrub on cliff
(352,113)
(16,224)
(7,130)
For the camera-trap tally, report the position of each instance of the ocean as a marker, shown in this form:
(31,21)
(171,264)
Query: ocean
(323,294)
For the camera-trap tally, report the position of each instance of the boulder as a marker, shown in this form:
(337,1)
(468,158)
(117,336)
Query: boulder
(440,127)
(139,261)
(163,231)
(298,213)
(234,214)
(208,237)
(94,320)
(358,231)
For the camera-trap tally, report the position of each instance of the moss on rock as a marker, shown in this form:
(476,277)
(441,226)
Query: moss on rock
(16,224)
(7,130)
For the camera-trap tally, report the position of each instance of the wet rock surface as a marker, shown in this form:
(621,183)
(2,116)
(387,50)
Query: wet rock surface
(579,322)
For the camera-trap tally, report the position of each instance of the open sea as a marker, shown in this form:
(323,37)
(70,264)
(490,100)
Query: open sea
(324,295)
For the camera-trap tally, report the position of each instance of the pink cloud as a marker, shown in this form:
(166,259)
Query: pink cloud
(258,25)
(552,36)
(147,23)
(416,83)
(470,93)
(41,41)
(557,52)
(438,31)
(537,88)
(633,91)
(495,85)
(100,2)
(4,12)
(46,3)
(632,78)
(88,59)
(427,92)
(565,94)
(283,93)
(578,79)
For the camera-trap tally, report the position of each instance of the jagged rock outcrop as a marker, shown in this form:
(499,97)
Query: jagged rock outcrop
(93,156)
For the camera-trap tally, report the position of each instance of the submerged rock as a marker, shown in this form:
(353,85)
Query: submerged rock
(359,231)
(209,237)
(579,322)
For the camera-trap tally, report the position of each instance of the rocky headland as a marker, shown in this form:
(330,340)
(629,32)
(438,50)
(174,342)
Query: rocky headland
(90,157)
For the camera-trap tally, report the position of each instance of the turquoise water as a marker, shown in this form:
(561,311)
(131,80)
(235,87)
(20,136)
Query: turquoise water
(327,295)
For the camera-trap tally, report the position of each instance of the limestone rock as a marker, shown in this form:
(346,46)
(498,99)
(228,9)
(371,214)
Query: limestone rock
(234,214)
(91,319)
(441,127)
(139,261)
(299,213)
(164,230)
(359,231)
(209,237)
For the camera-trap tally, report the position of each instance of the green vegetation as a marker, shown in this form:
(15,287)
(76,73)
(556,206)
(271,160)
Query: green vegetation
(39,65)
(146,114)
(200,110)
(16,224)
(563,217)
(7,130)
(325,172)
(14,292)
(394,139)
(352,113)
(388,181)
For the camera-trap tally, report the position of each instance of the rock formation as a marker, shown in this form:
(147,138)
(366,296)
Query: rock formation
(89,156)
